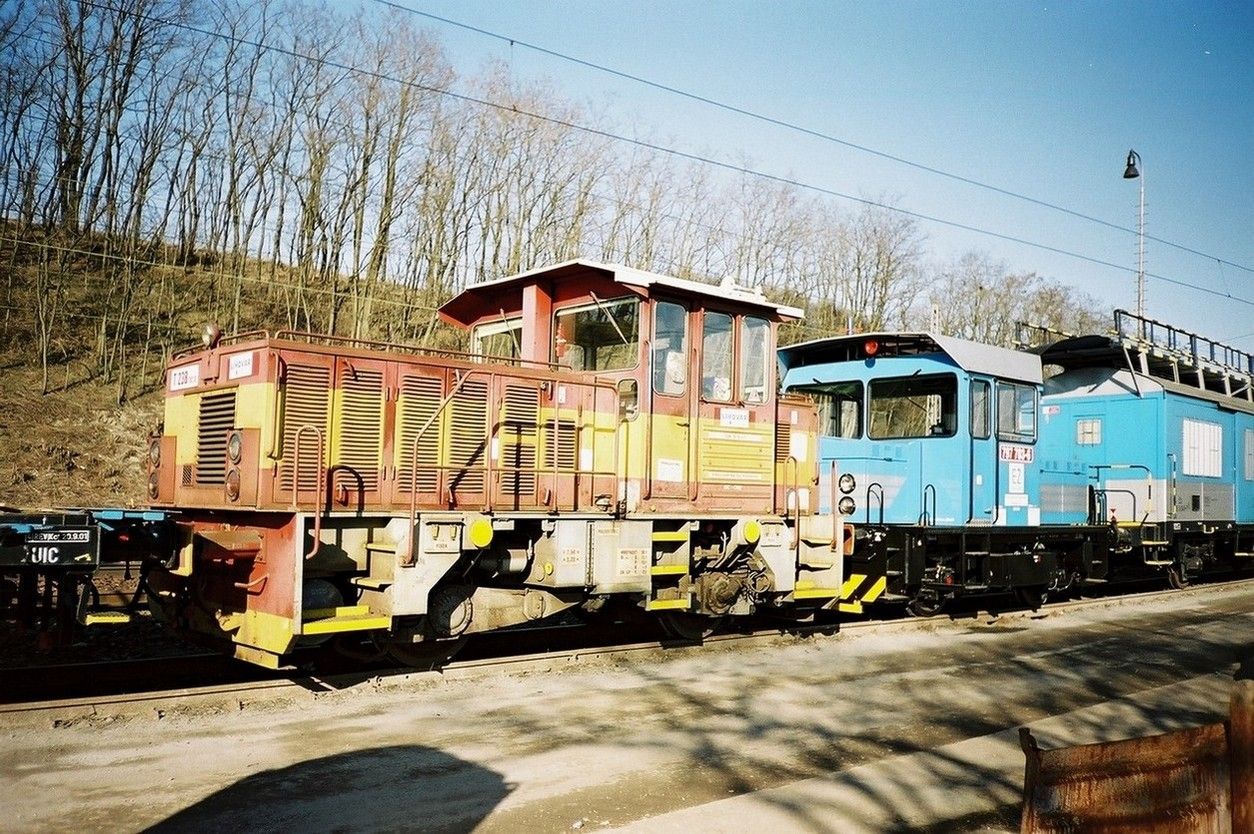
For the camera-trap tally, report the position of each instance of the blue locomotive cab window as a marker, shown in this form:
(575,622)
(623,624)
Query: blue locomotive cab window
(840,407)
(601,336)
(981,409)
(1016,412)
(670,348)
(914,406)
(716,357)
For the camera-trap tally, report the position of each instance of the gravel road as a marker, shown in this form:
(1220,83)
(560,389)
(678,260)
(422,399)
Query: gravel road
(874,730)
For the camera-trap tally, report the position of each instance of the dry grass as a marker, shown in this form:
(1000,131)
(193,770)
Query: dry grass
(73,447)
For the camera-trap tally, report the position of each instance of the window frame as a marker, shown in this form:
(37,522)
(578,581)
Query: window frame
(870,397)
(577,307)
(1088,430)
(496,328)
(686,351)
(732,354)
(1015,435)
(819,389)
(742,357)
(987,430)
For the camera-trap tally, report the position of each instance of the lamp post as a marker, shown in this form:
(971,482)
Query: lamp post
(1134,172)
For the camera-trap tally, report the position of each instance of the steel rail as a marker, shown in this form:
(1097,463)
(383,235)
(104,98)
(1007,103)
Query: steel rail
(482,667)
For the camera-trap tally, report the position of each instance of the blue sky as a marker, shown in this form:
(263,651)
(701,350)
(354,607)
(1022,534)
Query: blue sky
(1040,99)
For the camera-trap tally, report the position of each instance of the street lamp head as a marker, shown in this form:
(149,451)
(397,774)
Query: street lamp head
(1131,173)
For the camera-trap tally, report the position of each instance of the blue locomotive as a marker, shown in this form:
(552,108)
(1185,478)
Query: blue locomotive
(963,470)
(1151,430)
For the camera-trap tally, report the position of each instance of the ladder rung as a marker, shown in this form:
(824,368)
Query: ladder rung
(668,604)
(106,618)
(670,535)
(668,570)
(352,622)
(371,582)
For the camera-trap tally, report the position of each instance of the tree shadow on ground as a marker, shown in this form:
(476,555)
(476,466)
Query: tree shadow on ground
(399,788)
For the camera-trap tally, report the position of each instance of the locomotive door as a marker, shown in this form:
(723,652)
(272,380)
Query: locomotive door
(983,481)
(672,393)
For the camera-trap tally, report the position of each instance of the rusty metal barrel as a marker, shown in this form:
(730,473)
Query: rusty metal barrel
(1199,779)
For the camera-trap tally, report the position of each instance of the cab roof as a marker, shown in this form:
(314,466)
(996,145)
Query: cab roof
(973,357)
(487,297)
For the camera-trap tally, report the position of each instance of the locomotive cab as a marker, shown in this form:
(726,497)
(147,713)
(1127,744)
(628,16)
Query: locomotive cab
(692,365)
(930,430)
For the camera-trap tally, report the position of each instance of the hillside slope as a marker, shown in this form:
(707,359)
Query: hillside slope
(73,447)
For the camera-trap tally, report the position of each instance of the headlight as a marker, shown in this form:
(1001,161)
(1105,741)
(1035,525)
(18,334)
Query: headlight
(234,446)
(153,485)
(232,485)
(847,483)
(154,452)
(846,505)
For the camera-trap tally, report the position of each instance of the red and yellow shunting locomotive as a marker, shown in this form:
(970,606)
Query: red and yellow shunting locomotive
(610,435)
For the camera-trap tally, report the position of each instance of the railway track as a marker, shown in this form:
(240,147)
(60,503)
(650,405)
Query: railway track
(135,686)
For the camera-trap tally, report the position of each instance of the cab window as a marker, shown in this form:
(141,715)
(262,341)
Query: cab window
(599,336)
(670,348)
(981,409)
(840,407)
(755,374)
(1016,411)
(914,406)
(716,357)
(497,339)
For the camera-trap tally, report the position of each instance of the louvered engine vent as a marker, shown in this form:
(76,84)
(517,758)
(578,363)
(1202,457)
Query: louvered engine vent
(518,440)
(217,418)
(783,442)
(468,437)
(305,394)
(559,437)
(420,400)
(360,434)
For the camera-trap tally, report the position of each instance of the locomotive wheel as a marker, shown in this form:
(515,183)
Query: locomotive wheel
(1032,596)
(691,628)
(925,606)
(1177,578)
(428,654)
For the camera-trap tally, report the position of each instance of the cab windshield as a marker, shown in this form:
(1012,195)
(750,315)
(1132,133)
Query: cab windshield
(598,336)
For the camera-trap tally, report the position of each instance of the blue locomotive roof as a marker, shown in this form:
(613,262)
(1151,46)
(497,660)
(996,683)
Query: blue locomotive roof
(973,357)
(1099,380)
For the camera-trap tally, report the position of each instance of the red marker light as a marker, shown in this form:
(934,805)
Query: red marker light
(871,347)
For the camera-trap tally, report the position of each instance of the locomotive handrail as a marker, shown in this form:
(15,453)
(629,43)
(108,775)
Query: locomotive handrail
(1149,481)
(796,500)
(833,487)
(233,339)
(491,471)
(1183,341)
(413,458)
(1098,467)
(317,531)
(419,350)
(929,518)
(1102,493)
(877,489)
(248,586)
(280,395)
